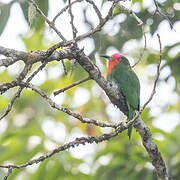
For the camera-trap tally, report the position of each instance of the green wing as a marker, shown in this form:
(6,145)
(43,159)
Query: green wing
(128,83)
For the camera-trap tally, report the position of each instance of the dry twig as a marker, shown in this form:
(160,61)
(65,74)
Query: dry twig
(72,144)
(96,10)
(70,86)
(121,7)
(159,11)
(142,52)
(74,30)
(64,9)
(157,76)
(47,20)
(18,93)
(6,86)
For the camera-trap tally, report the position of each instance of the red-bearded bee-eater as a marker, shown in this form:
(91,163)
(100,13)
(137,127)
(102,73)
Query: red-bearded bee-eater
(120,73)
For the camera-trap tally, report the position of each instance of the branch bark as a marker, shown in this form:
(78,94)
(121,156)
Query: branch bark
(152,149)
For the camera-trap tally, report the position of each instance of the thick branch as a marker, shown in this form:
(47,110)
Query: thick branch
(152,149)
(32,57)
(14,54)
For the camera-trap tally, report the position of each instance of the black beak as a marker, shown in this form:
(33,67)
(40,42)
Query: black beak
(110,58)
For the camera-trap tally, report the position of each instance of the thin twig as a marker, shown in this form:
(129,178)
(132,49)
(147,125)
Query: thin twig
(64,67)
(140,22)
(80,37)
(6,86)
(70,86)
(66,110)
(47,20)
(72,144)
(99,26)
(159,11)
(142,52)
(96,10)
(64,9)
(18,93)
(9,172)
(157,76)
(74,30)
(10,105)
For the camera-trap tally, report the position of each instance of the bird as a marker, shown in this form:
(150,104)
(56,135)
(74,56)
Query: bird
(120,73)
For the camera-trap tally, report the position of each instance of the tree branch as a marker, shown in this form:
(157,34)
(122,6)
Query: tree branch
(151,148)
(4,87)
(64,9)
(96,10)
(159,11)
(51,24)
(157,76)
(74,30)
(66,110)
(70,86)
(18,93)
(121,7)
(72,144)
(13,56)
(34,56)
(146,135)
(142,52)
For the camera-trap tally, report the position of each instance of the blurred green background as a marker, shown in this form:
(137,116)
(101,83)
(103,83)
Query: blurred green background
(32,128)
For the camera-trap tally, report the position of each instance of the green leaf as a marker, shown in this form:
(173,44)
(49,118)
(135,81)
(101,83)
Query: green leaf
(135,1)
(4,15)
(37,22)
(34,42)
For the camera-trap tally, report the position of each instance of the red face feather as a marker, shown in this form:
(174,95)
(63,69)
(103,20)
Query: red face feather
(112,63)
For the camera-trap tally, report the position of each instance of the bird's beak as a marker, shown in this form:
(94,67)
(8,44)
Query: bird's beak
(110,58)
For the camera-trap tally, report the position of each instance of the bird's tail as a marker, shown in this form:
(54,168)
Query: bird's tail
(130,117)
(130,131)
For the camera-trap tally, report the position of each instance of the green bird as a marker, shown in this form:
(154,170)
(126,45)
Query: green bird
(121,74)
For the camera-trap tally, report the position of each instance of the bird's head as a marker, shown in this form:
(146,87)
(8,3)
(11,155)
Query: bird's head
(113,60)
